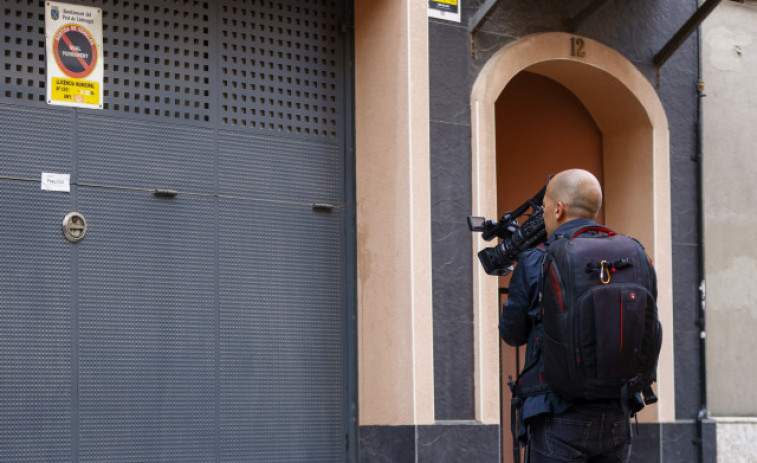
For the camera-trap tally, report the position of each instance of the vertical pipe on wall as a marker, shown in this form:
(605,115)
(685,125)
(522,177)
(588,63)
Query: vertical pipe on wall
(702,412)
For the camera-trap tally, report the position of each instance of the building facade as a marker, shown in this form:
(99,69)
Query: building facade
(517,91)
(277,265)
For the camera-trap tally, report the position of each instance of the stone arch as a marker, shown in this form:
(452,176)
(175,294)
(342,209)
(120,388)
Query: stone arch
(636,162)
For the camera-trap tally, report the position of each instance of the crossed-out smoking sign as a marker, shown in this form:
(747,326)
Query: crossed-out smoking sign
(74,55)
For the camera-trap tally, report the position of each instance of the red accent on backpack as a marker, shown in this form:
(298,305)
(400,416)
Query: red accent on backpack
(597,229)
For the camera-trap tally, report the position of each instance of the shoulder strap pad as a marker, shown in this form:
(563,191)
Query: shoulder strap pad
(597,228)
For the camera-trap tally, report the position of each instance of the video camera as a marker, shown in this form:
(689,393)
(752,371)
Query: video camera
(498,260)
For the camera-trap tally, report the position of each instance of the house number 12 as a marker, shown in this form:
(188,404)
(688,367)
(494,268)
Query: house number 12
(577,47)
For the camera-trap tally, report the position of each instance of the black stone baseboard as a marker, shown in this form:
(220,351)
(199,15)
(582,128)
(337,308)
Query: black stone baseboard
(430,444)
(384,444)
(673,443)
(645,447)
(459,442)
(471,442)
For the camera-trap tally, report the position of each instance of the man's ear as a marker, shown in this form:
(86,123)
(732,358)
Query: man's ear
(560,210)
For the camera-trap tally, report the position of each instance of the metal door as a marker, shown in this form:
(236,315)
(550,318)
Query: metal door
(206,314)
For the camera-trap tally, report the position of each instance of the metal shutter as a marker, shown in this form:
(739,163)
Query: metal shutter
(208,326)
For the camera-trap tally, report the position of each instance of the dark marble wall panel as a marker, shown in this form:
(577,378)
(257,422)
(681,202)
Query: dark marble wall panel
(449,73)
(710,440)
(456,398)
(645,447)
(683,198)
(673,443)
(686,333)
(385,444)
(678,93)
(451,263)
(452,290)
(452,258)
(679,442)
(447,443)
(686,279)
(458,443)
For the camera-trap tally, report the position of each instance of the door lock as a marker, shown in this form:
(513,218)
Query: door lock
(74,227)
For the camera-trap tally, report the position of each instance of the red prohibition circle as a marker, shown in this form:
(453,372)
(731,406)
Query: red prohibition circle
(75,51)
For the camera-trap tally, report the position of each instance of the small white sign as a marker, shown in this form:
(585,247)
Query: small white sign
(444,9)
(56,182)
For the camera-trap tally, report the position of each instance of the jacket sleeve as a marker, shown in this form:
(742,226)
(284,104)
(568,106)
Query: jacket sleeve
(523,299)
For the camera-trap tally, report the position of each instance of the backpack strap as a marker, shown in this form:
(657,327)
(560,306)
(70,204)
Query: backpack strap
(516,405)
(597,228)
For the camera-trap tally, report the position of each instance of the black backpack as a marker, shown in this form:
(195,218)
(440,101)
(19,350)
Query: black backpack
(601,332)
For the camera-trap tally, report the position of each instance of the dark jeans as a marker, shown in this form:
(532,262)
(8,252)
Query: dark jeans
(589,433)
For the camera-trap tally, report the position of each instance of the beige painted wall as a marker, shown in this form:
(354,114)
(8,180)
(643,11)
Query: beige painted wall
(729,55)
(395,338)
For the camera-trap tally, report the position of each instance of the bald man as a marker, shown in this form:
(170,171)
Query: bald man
(555,429)
(571,194)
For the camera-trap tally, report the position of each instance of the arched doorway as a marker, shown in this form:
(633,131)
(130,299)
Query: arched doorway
(634,170)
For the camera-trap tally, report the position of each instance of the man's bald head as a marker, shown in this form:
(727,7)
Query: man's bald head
(571,194)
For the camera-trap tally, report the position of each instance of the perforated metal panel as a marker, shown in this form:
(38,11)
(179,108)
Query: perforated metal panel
(23,50)
(279,62)
(279,66)
(35,327)
(158,58)
(142,154)
(147,329)
(278,168)
(34,140)
(281,351)
(210,326)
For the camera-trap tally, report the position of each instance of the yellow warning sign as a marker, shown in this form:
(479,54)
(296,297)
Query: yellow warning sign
(75,91)
(74,55)
(444,9)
